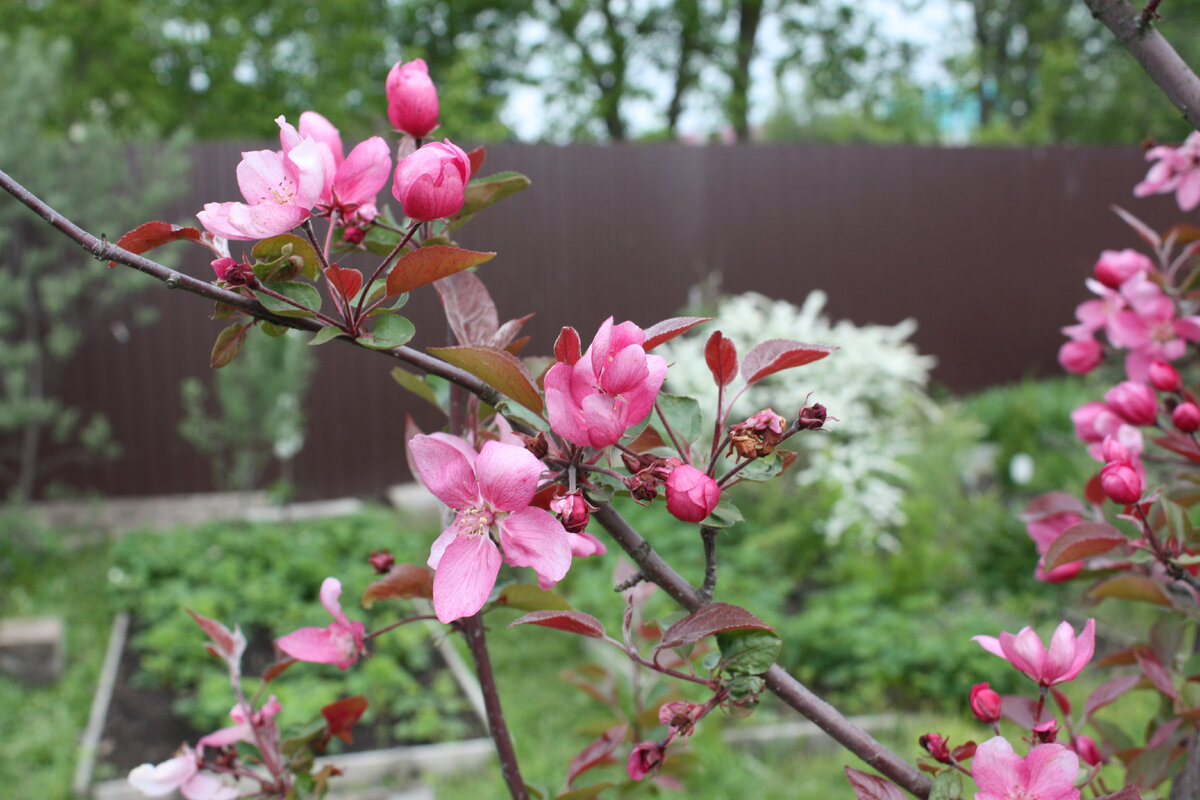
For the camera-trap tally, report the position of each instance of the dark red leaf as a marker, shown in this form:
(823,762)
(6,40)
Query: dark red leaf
(228,645)
(1153,669)
(498,368)
(276,669)
(1108,691)
(1128,793)
(1130,587)
(402,581)
(428,264)
(150,235)
(345,281)
(566,346)
(569,621)
(668,329)
(343,715)
(476,158)
(598,752)
(872,787)
(1183,445)
(775,355)
(721,356)
(1081,540)
(469,308)
(707,620)
(1051,504)
(506,337)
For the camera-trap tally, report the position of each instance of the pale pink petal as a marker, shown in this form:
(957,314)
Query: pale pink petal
(535,538)
(465,577)
(583,544)
(641,400)
(445,471)
(1024,651)
(227,736)
(316,645)
(991,644)
(1061,652)
(1085,648)
(1051,772)
(289,137)
(215,219)
(331,590)
(309,170)
(626,370)
(162,779)
(322,131)
(996,769)
(207,787)
(599,351)
(264,221)
(1188,192)
(265,176)
(440,544)
(364,173)
(1188,328)
(508,476)
(603,416)
(564,413)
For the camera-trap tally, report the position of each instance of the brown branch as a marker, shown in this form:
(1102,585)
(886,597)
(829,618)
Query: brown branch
(1154,53)
(104,250)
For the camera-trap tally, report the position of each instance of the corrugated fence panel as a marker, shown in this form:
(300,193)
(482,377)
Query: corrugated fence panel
(986,248)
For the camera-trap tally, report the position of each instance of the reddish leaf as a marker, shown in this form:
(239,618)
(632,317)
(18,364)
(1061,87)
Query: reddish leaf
(872,787)
(1020,710)
(1118,658)
(1153,669)
(1107,692)
(598,752)
(150,235)
(1163,733)
(1130,587)
(343,715)
(346,281)
(648,439)
(707,620)
(1128,793)
(566,346)
(1063,703)
(505,336)
(569,621)
(1051,504)
(227,645)
(775,355)
(476,158)
(498,368)
(276,669)
(1182,445)
(402,581)
(1094,492)
(591,792)
(668,329)
(428,264)
(228,344)
(721,356)
(1081,540)
(469,308)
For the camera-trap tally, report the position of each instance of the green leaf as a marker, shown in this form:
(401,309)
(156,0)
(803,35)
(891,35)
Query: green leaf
(288,256)
(428,264)
(743,694)
(748,652)
(301,293)
(228,345)
(725,515)
(606,486)
(326,334)
(414,384)
(947,786)
(683,415)
(528,597)
(391,331)
(484,192)
(762,469)
(273,328)
(498,368)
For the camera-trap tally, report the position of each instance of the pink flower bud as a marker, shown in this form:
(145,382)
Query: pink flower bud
(1134,402)
(1164,377)
(691,495)
(431,183)
(1080,356)
(1117,266)
(1085,747)
(412,98)
(644,759)
(352,234)
(221,266)
(381,561)
(1114,452)
(935,745)
(1186,417)
(573,510)
(1121,483)
(1047,732)
(985,703)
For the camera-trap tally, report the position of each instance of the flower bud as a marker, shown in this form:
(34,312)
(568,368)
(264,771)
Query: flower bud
(1085,747)
(1080,356)
(1114,451)
(985,703)
(1047,732)
(412,98)
(1186,417)
(691,495)
(1121,483)
(1117,266)
(935,745)
(431,183)
(1093,421)
(1164,377)
(812,417)
(352,234)
(381,561)
(644,759)
(572,510)
(1134,402)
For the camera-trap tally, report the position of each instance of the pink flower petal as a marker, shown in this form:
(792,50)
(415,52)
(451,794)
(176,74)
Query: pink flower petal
(465,577)
(535,538)
(626,369)
(991,644)
(1061,652)
(995,768)
(445,471)
(162,779)
(265,176)
(1051,772)
(508,476)
(331,590)
(440,544)
(364,173)
(264,221)
(1024,651)
(206,787)
(323,132)
(315,645)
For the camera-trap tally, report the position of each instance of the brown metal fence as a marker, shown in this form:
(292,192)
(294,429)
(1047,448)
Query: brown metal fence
(986,248)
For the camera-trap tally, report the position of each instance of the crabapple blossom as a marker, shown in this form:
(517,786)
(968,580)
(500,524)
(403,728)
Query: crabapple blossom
(243,729)
(431,183)
(182,774)
(1134,402)
(985,703)
(351,182)
(412,98)
(1186,417)
(1045,529)
(1177,170)
(1080,356)
(1048,772)
(1064,660)
(1121,482)
(280,189)
(691,494)
(339,644)
(491,492)
(1148,327)
(591,399)
(1164,377)
(1114,267)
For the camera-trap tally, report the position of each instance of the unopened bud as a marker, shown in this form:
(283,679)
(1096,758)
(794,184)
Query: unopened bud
(1047,732)
(935,745)
(381,561)
(1164,377)
(812,417)
(572,510)
(1186,417)
(1134,402)
(536,444)
(985,703)
(352,234)
(1121,482)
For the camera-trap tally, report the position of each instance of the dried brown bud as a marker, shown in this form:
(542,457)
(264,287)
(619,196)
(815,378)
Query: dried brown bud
(536,444)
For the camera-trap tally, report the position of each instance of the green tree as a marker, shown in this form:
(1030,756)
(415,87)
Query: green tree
(54,293)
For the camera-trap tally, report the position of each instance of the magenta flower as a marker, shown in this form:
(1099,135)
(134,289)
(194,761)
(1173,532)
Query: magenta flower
(985,703)
(592,399)
(1149,328)
(691,494)
(339,644)
(1048,772)
(351,182)
(280,191)
(1061,663)
(491,492)
(1177,170)
(645,759)
(431,182)
(180,773)
(412,98)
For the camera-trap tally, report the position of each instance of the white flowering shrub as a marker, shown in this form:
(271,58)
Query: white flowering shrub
(873,387)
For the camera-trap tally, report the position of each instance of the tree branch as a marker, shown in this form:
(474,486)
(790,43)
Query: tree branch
(1154,53)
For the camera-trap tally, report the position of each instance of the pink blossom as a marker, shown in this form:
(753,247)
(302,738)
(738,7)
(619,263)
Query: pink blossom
(1093,421)
(1045,530)
(180,773)
(1064,660)
(1080,356)
(985,703)
(1177,170)
(491,492)
(645,759)
(691,494)
(1117,266)
(1148,327)
(1096,314)
(412,98)
(431,183)
(1048,772)
(243,729)
(1121,482)
(339,644)
(1164,377)
(1134,402)
(351,183)
(1186,417)
(592,399)
(280,190)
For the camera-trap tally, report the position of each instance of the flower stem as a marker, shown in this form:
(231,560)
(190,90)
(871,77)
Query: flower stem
(472,628)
